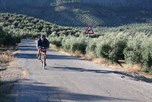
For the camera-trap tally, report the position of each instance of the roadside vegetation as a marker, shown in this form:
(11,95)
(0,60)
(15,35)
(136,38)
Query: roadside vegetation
(7,41)
(23,26)
(14,27)
(130,43)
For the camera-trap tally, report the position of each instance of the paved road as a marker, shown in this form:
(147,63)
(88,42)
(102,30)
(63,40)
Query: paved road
(69,79)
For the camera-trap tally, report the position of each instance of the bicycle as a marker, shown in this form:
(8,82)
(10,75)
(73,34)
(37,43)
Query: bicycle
(43,55)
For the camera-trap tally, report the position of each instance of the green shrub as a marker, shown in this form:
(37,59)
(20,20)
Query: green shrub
(16,23)
(74,44)
(9,40)
(6,24)
(66,43)
(79,46)
(146,53)
(133,50)
(111,46)
(103,49)
(139,51)
(91,46)
(119,44)
(55,40)
(2,33)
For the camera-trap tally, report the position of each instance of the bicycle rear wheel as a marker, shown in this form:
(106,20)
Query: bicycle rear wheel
(43,64)
(43,61)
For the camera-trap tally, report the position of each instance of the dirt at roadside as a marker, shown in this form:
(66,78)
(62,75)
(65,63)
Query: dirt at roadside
(10,73)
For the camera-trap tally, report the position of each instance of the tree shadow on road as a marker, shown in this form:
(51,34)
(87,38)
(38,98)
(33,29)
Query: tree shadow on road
(49,56)
(27,49)
(5,89)
(122,73)
(29,91)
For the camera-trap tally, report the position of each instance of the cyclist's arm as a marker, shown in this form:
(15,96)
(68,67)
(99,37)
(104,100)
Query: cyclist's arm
(38,45)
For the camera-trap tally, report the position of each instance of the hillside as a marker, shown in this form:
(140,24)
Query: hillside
(146,4)
(81,13)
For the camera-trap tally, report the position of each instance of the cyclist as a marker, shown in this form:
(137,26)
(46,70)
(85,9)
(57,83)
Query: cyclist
(42,45)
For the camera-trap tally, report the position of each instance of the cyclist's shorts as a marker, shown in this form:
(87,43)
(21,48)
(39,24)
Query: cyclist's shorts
(43,50)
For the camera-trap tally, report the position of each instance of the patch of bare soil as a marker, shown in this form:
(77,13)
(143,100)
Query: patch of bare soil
(10,73)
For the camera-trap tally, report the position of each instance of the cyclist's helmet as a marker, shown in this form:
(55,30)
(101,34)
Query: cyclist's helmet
(38,36)
(42,37)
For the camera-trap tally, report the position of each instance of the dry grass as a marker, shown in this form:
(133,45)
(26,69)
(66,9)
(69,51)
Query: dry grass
(89,56)
(132,68)
(54,47)
(101,61)
(6,57)
(13,64)
(77,54)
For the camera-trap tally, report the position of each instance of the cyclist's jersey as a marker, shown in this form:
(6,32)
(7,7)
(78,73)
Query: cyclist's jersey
(43,43)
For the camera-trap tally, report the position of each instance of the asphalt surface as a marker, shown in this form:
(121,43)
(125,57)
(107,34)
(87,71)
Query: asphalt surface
(70,79)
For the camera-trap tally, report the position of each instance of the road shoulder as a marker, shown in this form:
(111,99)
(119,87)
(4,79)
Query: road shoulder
(9,75)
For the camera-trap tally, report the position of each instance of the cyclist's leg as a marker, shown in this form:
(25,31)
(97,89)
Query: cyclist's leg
(39,54)
(44,57)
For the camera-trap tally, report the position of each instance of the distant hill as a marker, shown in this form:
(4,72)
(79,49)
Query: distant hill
(146,4)
(83,12)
